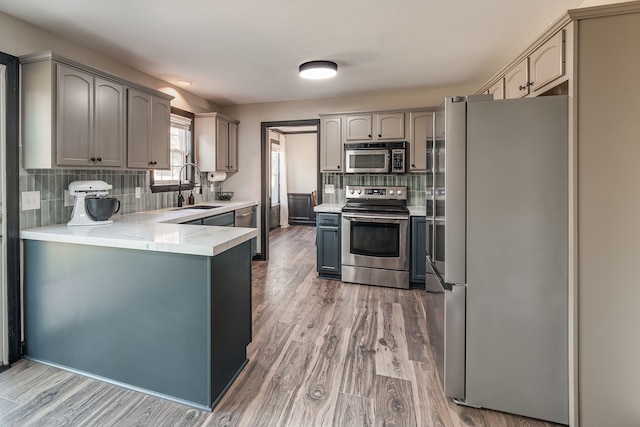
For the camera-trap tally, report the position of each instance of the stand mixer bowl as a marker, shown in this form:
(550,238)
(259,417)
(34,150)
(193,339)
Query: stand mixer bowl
(101,208)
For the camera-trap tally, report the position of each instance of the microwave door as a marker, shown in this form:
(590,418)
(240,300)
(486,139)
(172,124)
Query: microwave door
(367,161)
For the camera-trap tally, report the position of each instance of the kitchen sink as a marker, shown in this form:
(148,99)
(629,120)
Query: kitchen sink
(202,207)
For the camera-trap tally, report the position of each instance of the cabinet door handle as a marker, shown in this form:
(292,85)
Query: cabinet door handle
(522,87)
(338,166)
(369,135)
(529,83)
(413,165)
(379,135)
(93,159)
(99,159)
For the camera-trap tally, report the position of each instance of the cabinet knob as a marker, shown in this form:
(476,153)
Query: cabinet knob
(338,166)
(369,136)
(413,165)
(99,159)
(379,135)
(529,83)
(93,159)
(522,87)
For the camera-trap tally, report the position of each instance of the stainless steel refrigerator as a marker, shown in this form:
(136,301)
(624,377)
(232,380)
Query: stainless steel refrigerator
(498,239)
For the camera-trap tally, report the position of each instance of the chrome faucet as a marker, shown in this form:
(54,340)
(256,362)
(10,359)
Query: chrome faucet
(180,196)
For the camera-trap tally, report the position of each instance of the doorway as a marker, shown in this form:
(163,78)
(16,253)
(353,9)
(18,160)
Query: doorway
(274,175)
(10,332)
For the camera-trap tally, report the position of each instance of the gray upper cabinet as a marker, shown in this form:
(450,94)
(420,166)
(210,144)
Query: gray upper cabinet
(74,116)
(148,130)
(331,144)
(74,108)
(497,89)
(420,131)
(547,63)
(515,81)
(542,66)
(374,127)
(389,126)
(109,123)
(359,127)
(82,125)
(217,142)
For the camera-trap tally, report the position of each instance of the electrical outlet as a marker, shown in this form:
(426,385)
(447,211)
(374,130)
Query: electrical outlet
(68,198)
(30,200)
(138,191)
(329,189)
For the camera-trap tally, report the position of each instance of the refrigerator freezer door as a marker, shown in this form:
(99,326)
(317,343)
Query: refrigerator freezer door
(517,237)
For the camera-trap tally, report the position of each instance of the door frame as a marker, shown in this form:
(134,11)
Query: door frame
(265,156)
(12,218)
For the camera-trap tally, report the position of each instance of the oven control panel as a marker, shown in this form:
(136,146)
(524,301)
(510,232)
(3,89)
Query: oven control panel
(376,193)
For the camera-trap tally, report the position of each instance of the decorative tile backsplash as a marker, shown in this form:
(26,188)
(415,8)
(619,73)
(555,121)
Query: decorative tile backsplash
(416,184)
(52,183)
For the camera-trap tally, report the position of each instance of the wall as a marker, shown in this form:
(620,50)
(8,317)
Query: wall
(608,230)
(20,38)
(302,162)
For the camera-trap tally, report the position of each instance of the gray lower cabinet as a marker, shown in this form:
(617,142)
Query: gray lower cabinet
(328,235)
(171,324)
(418,250)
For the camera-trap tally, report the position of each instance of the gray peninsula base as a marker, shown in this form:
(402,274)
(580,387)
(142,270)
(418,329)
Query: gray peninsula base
(173,325)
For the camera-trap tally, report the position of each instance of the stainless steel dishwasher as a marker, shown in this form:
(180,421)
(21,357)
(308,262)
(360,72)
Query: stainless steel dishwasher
(244,217)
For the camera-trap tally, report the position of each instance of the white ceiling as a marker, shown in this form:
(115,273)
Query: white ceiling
(248,51)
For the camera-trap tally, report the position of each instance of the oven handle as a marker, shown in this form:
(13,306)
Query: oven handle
(374,218)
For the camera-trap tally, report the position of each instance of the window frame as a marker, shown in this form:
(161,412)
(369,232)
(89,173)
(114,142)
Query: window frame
(165,188)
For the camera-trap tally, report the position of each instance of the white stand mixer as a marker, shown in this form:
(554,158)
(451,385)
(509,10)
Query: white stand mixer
(82,189)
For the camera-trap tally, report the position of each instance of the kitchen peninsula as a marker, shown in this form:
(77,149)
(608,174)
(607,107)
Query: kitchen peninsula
(147,302)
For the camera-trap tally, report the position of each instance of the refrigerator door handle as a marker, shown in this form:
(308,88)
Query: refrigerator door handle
(455,313)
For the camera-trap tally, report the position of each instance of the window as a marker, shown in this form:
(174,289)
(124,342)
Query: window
(181,152)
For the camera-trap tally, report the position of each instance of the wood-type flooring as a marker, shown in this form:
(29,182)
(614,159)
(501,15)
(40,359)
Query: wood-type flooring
(324,353)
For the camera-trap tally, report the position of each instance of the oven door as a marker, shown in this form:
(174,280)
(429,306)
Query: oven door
(375,241)
(366,161)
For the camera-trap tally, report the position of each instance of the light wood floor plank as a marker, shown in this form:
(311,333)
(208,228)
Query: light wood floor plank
(283,386)
(314,403)
(394,403)
(359,372)
(415,328)
(392,356)
(354,411)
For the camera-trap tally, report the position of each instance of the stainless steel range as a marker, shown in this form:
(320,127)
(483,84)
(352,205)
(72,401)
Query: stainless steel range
(375,236)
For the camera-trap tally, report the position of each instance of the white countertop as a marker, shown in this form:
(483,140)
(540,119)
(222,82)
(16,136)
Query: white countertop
(328,208)
(158,230)
(337,208)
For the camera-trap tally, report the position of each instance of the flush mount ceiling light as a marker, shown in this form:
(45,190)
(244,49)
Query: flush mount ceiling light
(183,83)
(318,69)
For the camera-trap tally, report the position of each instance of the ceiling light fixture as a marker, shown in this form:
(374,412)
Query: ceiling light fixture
(183,83)
(318,69)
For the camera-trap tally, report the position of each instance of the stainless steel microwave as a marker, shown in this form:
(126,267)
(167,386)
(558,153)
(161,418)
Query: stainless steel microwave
(375,157)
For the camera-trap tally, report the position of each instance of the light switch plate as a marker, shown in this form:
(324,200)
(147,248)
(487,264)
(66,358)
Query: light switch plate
(329,189)
(138,191)
(30,200)
(68,198)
